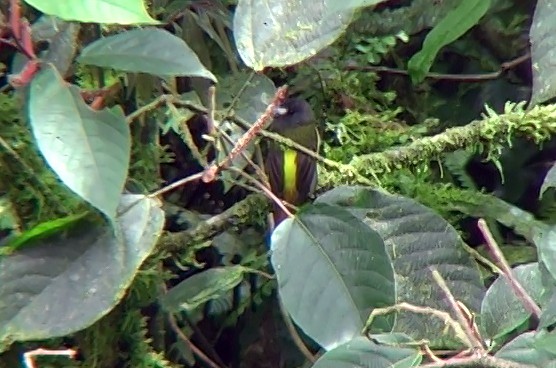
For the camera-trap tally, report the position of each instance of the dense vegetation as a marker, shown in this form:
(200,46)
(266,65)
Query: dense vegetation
(134,227)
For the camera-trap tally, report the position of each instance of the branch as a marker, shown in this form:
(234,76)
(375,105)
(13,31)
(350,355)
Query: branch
(537,124)
(346,170)
(499,259)
(469,78)
(486,361)
(179,333)
(298,341)
(237,214)
(474,342)
(211,172)
(404,306)
(29,357)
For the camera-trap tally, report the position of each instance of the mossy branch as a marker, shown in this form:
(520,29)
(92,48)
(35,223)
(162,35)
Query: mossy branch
(493,131)
(238,214)
(489,134)
(537,124)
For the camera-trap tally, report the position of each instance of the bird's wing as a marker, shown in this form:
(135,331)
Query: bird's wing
(274,165)
(307,177)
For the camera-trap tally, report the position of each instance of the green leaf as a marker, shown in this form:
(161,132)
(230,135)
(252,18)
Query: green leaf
(545,240)
(339,6)
(392,338)
(456,23)
(67,282)
(528,348)
(281,33)
(249,106)
(416,238)
(362,353)
(96,11)
(543,53)
(502,311)
(40,231)
(146,50)
(548,316)
(546,341)
(89,150)
(332,270)
(202,287)
(62,41)
(549,179)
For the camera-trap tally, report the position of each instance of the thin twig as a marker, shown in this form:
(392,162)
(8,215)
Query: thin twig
(177,330)
(444,316)
(29,357)
(238,95)
(482,259)
(212,171)
(228,49)
(256,167)
(486,361)
(265,190)
(157,102)
(176,184)
(250,188)
(187,138)
(260,273)
(237,214)
(474,342)
(471,78)
(344,169)
(430,354)
(501,261)
(203,341)
(211,107)
(294,335)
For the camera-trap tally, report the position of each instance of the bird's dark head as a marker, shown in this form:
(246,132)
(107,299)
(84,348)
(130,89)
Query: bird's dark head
(292,113)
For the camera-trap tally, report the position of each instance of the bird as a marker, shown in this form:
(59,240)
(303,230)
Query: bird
(292,175)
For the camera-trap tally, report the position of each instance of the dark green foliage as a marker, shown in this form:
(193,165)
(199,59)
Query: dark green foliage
(444,157)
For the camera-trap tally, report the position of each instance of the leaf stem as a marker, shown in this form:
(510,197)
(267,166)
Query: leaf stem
(501,261)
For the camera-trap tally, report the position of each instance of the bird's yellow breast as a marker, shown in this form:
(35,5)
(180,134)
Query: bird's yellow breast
(290,175)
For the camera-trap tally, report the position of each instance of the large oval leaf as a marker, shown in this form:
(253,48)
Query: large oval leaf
(544,238)
(332,270)
(96,11)
(67,282)
(146,50)
(543,51)
(548,315)
(501,310)
(416,238)
(529,348)
(285,32)
(89,150)
(363,353)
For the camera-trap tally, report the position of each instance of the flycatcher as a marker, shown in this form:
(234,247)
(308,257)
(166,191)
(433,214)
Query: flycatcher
(292,174)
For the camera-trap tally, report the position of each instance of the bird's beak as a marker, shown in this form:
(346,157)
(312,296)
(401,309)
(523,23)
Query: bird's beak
(279,111)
